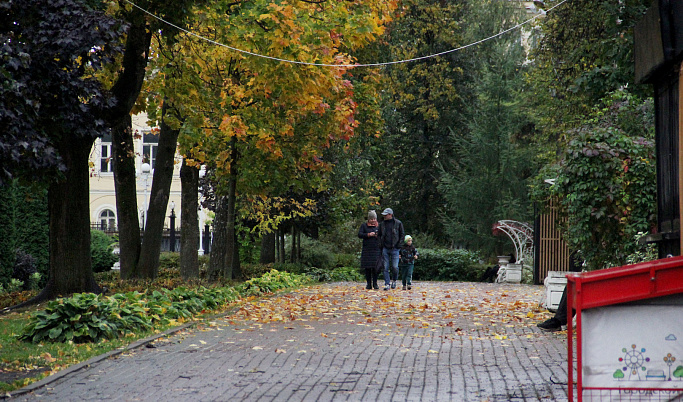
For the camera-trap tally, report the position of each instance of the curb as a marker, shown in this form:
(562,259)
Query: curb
(71,369)
(137,344)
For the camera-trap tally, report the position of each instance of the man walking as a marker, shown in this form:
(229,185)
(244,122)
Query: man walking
(391,235)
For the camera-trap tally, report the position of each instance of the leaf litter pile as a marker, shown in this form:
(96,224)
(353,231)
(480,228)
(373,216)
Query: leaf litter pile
(474,310)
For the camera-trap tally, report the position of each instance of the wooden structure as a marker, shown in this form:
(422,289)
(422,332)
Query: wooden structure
(618,311)
(551,252)
(658,55)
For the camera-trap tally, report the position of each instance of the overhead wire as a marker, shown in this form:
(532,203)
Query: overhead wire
(379,64)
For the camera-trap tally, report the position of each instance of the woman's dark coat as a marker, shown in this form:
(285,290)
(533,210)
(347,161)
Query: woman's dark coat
(371,250)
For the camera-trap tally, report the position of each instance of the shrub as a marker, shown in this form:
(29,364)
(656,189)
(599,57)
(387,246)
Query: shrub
(102,256)
(14,285)
(317,254)
(272,282)
(446,265)
(34,281)
(24,267)
(87,317)
(256,270)
(347,260)
(169,259)
(346,274)
(291,267)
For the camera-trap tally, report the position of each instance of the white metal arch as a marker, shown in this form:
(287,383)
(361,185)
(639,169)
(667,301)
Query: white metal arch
(522,236)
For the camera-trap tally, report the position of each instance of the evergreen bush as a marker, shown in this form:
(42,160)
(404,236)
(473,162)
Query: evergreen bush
(102,256)
(169,260)
(446,265)
(317,254)
(347,260)
(24,268)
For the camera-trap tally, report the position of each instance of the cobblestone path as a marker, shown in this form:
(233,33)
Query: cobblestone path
(440,341)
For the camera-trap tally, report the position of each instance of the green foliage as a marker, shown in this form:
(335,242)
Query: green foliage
(343,236)
(14,285)
(347,260)
(606,181)
(86,317)
(340,274)
(24,227)
(8,244)
(35,281)
(272,282)
(447,265)
(642,253)
(426,240)
(169,260)
(584,51)
(316,254)
(101,251)
(346,274)
(423,101)
(256,270)
(486,181)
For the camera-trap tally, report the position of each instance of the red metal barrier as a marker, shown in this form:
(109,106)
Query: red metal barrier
(615,286)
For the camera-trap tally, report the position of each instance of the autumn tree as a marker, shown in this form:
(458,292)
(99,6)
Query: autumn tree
(261,125)
(125,79)
(49,107)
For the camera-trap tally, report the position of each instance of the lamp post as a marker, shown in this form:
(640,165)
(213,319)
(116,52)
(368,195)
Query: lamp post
(145,169)
(172,234)
(202,173)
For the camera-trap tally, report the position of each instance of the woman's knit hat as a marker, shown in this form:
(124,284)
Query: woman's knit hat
(372,215)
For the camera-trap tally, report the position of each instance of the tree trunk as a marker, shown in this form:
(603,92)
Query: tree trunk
(236,265)
(68,202)
(231,250)
(126,90)
(189,222)
(126,198)
(267,248)
(219,241)
(277,245)
(292,254)
(158,199)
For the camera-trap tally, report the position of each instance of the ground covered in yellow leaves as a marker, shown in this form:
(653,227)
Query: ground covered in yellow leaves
(467,308)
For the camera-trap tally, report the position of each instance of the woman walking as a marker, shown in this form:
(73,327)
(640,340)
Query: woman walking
(370,252)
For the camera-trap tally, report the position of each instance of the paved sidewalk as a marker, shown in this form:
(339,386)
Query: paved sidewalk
(441,341)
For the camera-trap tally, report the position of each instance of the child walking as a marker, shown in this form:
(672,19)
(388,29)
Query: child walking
(408,254)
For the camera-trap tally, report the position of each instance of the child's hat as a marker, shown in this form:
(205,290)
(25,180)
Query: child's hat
(408,237)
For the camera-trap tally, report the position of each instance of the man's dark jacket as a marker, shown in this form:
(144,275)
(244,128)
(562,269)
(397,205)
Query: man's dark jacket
(397,234)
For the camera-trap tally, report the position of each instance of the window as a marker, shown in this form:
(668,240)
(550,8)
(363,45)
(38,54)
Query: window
(150,142)
(107,220)
(105,154)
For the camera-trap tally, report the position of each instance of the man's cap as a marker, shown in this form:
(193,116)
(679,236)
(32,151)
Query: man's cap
(388,211)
